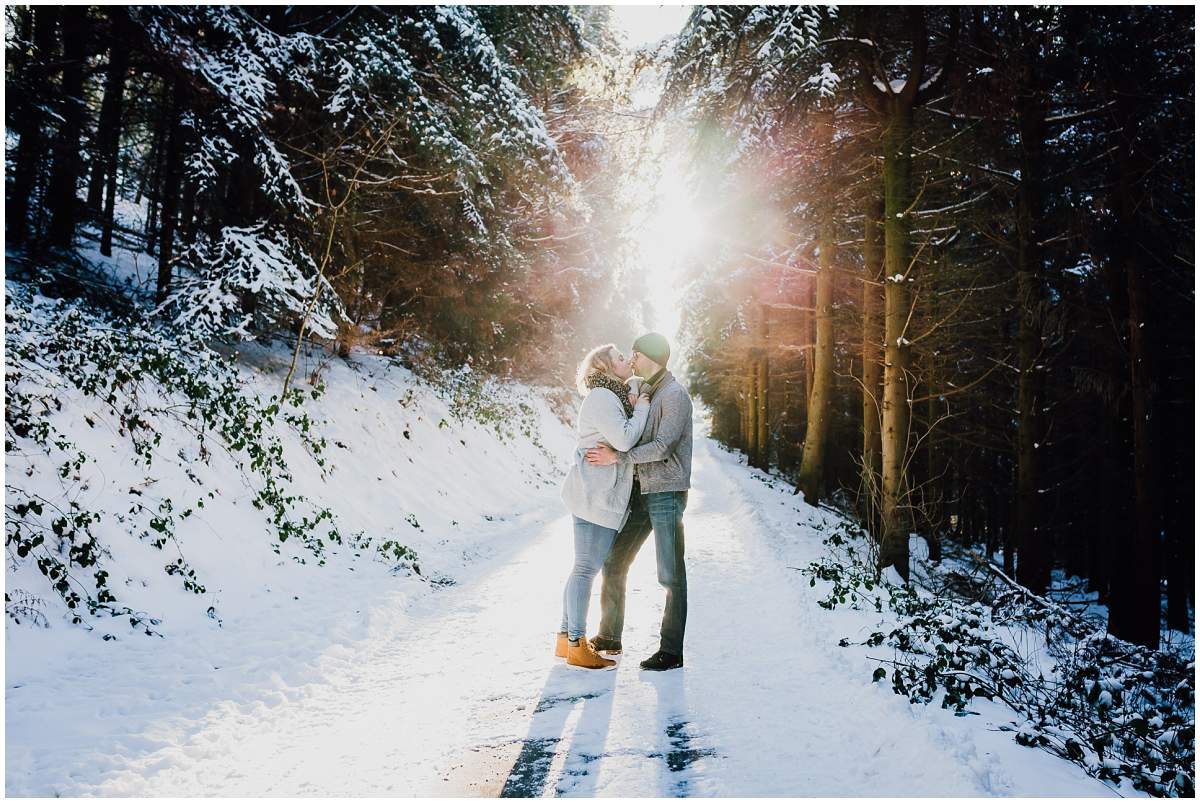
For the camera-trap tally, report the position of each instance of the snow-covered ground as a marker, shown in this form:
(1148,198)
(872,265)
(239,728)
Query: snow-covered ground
(405,470)
(349,680)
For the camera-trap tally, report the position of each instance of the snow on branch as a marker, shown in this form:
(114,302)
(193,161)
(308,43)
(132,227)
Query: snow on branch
(255,262)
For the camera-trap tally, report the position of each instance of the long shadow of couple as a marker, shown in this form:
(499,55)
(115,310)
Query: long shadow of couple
(565,689)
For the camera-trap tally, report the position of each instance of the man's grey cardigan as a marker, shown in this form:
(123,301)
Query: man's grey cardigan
(663,455)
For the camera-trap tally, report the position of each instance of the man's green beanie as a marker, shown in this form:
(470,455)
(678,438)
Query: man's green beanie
(654,346)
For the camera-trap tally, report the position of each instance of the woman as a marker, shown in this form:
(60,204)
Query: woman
(597,496)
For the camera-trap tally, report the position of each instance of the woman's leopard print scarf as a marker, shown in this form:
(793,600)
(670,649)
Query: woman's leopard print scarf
(599,379)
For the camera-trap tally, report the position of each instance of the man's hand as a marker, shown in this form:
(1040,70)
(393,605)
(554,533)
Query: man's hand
(601,455)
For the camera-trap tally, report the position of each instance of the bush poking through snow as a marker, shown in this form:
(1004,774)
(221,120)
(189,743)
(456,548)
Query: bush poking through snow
(21,606)
(1118,710)
(145,380)
(474,396)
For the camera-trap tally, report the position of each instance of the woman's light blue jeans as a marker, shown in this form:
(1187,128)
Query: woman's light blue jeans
(592,543)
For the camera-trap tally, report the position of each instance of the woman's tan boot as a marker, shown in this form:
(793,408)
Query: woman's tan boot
(582,654)
(560,646)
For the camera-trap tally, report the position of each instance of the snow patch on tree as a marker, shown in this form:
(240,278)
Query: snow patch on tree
(254,262)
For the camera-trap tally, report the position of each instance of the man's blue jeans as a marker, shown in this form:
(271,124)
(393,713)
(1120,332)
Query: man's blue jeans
(662,513)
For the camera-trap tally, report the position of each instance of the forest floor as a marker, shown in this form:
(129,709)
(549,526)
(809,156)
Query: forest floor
(455,691)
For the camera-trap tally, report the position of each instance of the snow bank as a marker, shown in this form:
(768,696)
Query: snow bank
(402,466)
(948,751)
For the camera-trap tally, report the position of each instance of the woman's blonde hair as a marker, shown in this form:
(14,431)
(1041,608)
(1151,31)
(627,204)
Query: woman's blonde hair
(598,359)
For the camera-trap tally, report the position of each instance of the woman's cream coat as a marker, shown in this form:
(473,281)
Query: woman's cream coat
(600,494)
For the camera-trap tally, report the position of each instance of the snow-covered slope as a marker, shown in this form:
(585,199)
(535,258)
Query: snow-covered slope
(403,468)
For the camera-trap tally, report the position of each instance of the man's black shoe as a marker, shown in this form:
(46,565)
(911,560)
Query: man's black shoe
(608,645)
(662,661)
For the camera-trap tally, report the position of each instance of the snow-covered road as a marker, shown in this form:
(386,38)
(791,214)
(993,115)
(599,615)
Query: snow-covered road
(460,694)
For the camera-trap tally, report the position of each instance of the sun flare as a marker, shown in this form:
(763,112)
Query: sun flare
(672,232)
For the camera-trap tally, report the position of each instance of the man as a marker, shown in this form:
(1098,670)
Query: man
(662,475)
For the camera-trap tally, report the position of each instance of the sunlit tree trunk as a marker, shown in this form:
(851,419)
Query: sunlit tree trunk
(751,408)
(762,438)
(897,167)
(757,383)
(808,327)
(812,464)
(740,401)
(763,382)
(893,103)
(744,407)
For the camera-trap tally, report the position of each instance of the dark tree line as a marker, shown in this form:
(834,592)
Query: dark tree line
(359,175)
(966,298)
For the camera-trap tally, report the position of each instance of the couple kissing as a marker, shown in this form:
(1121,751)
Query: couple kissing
(630,475)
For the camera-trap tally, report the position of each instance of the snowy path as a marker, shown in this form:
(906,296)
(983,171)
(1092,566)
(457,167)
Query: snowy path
(461,695)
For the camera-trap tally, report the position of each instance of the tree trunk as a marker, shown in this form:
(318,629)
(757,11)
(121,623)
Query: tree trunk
(172,168)
(31,150)
(1010,561)
(808,327)
(113,75)
(763,384)
(162,129)
(1102,520)
(187,214)
(739,400)
(1141,626)
(64,176)
(935,463)
(743,399)
(1135,612)
(812,464)
(1181,528)
(763,438)
(872,356)
(149,170)
(109,134)
(993,523)
(1033,542)
(241,197)
(751,409)
(17,61)
(897,165)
